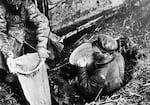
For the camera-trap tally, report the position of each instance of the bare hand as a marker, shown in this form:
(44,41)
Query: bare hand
(44,53)
(11,65)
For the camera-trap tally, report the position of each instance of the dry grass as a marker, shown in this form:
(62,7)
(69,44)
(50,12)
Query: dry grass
(7,96)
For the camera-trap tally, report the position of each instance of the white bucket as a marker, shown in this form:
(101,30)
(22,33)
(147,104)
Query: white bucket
(32,74)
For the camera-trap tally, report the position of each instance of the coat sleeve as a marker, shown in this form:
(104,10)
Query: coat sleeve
(4,44)
(42,23)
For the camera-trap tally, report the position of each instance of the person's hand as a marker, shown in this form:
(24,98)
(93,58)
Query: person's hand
(11,64)
(44,53)
(123,41)
(62,39)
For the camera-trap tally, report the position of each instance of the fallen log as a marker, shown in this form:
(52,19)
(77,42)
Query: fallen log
(67,15)
(91,23)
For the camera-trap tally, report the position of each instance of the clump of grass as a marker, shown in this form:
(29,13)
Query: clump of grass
(7,96)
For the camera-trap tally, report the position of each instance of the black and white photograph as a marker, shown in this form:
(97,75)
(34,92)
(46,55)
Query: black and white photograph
(74,52)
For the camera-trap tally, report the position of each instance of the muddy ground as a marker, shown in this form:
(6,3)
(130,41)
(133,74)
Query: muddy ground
(132,21)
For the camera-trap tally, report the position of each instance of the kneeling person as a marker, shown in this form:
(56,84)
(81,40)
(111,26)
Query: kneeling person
(100,67)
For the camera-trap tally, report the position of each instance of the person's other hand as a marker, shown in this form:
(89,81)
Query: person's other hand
(44,53)
(11,64)
(123,41)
